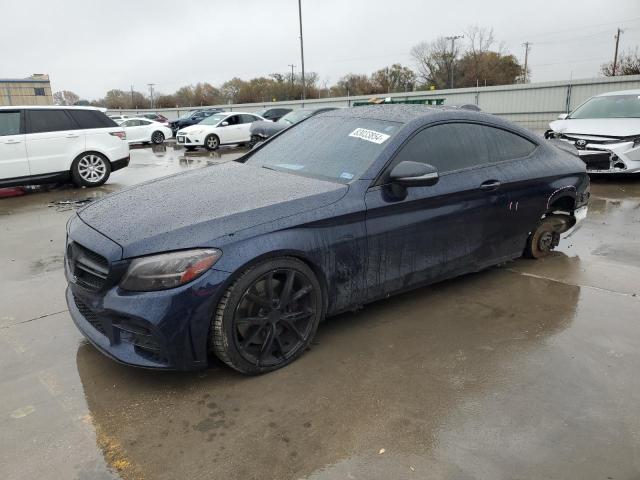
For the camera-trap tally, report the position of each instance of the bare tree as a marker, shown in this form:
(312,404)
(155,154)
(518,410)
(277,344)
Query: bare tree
(65,97)
(628,64)
(434,60)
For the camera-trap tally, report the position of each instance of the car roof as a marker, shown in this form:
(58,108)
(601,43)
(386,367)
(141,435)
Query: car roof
(403,113)
(620,92)
(51,107)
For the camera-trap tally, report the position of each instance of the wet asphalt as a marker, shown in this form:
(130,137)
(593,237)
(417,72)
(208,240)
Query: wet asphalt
(529,370)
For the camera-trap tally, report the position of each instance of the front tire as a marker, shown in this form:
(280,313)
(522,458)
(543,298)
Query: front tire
(157,137)
(267,318)
(90,169)
(212,142)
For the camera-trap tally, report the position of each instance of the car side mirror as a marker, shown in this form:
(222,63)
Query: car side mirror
(224,124)
(563,116)
(414,174)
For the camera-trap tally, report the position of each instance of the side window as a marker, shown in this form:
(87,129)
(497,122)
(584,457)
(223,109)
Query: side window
(247,118)
(454,146)
(144,122)
(233,120)
(91,119)
(39,121)
(447,147)
(505,145)
(9,122)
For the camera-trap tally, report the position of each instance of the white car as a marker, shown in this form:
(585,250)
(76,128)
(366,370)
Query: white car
(143,130)
(41,144)
(605,130)
(226,128)
(118,118)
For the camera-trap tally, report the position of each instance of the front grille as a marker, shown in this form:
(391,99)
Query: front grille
(90,269)
(89,315)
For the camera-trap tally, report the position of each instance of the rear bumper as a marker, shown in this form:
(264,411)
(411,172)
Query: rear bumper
(122,163)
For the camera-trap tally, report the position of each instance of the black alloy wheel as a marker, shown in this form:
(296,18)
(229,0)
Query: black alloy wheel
(268,317)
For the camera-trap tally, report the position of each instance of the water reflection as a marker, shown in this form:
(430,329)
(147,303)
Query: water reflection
(386,377)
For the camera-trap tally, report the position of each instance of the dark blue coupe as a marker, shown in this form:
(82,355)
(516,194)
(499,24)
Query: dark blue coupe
(243,260)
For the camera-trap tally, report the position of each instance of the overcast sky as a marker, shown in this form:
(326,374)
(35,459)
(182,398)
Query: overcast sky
(90,46)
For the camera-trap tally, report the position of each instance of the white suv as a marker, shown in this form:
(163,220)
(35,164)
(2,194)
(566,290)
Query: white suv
(54,144)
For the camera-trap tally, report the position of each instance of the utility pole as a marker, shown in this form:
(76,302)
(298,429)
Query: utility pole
(526,46)
(304,87)
(615,55)
(292,67)
(151,85)
(132,97)
(453,52)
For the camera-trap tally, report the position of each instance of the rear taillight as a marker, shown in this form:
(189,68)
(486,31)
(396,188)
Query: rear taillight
(121,135)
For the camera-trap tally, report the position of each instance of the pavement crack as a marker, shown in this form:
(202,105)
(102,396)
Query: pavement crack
(592,287)
(33,319)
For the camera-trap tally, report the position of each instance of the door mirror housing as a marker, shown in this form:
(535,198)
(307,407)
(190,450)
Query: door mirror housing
(563,116)
(414,174)
(224,124)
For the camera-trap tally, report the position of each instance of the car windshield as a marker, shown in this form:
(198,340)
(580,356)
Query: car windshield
(214,119)
(329,148)
(295,116)
(610,106)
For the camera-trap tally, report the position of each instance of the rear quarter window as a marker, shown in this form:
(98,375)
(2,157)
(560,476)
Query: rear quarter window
(87,119)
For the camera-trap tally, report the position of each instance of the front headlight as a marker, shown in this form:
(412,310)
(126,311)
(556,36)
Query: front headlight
(168,270)
(194,132)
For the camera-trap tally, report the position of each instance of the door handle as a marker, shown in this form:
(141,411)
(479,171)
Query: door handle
(490,185)
(72,135)
(13,140)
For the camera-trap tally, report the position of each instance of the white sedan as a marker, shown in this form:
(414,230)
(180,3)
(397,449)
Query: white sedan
(226,128)
(143,130)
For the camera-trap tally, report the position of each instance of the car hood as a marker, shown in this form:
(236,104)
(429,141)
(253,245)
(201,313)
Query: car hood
(266,128)
(195,127)
(193,209)
(606,127)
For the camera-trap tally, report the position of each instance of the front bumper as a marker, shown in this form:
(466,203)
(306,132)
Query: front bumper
(608,158)
(189,140)
(165,329)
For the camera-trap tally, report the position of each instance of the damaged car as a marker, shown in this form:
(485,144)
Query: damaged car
(261,130)
(243,260)
(604,132)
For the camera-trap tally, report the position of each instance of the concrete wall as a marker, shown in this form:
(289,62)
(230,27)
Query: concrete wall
(532,105)
(22,91)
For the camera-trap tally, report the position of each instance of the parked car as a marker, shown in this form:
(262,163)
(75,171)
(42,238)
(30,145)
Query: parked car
(260,131)
(225,128)
(191,118)
(142,130)
(340,210)
(118,118)
(605,132)
(41,144)
(156,117)
(274,114)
